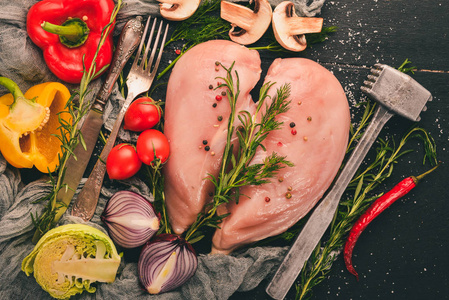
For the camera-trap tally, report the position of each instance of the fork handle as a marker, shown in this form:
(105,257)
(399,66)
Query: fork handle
(86,201)
(322,216)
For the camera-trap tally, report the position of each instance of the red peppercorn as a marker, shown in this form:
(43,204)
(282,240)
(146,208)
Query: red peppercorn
(294,131)
(279,144)
(178,51)
(267,199)
(218,98)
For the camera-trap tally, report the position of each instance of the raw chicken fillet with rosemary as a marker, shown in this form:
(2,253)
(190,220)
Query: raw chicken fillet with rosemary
(196,118)
(313,137)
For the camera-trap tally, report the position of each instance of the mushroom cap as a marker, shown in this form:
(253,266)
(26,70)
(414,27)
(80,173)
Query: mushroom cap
(178,10)
(248,26)
(289,29)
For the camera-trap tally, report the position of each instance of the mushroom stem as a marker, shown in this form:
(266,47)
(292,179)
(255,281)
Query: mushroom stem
(237,15)
(301,25)
(247,25)
(289,29)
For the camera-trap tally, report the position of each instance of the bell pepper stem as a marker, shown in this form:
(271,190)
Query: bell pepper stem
(72,33)
(12,87)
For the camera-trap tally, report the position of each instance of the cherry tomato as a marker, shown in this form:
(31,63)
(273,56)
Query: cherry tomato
(150,142)
(122,162)
(142,114)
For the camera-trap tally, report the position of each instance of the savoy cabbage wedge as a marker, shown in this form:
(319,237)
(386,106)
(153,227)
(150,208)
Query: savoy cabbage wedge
(67,259)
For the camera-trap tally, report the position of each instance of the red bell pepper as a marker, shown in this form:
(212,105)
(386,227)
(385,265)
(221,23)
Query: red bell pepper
(67,30)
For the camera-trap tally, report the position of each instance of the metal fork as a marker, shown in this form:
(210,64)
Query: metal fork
(139,80)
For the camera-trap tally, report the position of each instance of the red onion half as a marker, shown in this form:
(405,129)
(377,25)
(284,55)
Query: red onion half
(130,218)
(166,263)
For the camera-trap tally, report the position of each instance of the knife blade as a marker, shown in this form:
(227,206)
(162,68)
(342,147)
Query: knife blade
(76,164)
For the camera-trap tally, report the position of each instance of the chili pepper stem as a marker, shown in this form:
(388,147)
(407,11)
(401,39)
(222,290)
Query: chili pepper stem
(416,179)
(72,33)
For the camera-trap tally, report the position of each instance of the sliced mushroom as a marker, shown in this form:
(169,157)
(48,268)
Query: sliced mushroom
(248,25)
(289,29)
(178,10)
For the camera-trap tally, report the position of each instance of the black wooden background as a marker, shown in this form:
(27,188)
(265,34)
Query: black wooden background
(403,254)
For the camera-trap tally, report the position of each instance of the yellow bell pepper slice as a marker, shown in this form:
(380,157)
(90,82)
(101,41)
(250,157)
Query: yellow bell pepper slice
(29,124)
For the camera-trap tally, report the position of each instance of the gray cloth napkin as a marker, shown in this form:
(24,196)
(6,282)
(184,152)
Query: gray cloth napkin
(217,277)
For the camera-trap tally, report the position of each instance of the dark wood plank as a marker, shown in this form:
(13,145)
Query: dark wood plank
(386,31)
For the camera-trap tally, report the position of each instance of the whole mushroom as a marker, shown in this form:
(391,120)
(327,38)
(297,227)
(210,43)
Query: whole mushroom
(248,25)
(289,29)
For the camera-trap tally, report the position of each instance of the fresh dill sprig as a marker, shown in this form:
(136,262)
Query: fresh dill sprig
(236,168)
(363,184)
(202,26)
(70,136)
(206,24)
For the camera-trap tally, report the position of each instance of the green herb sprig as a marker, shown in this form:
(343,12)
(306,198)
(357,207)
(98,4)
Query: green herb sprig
(70,136)
(312,38)
(202,26)
(155,181)
(236,169)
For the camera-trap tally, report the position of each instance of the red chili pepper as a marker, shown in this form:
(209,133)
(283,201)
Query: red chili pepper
(67,30)
(401,189)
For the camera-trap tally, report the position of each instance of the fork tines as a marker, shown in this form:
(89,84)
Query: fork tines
(151,65)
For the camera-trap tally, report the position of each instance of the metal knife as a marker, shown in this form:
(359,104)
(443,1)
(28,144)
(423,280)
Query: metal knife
(77,163)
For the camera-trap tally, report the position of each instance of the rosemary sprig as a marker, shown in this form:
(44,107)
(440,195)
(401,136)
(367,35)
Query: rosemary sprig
(236,169)
(156,184)
(70,136)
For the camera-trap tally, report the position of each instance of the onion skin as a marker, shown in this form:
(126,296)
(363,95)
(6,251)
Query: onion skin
(166,263)
(130,218)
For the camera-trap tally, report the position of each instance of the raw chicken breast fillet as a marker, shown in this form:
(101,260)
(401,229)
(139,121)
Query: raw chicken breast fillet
(314,138)
(196,117)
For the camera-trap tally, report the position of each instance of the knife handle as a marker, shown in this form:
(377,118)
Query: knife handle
(323,214)
(128,41)
(86,202)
